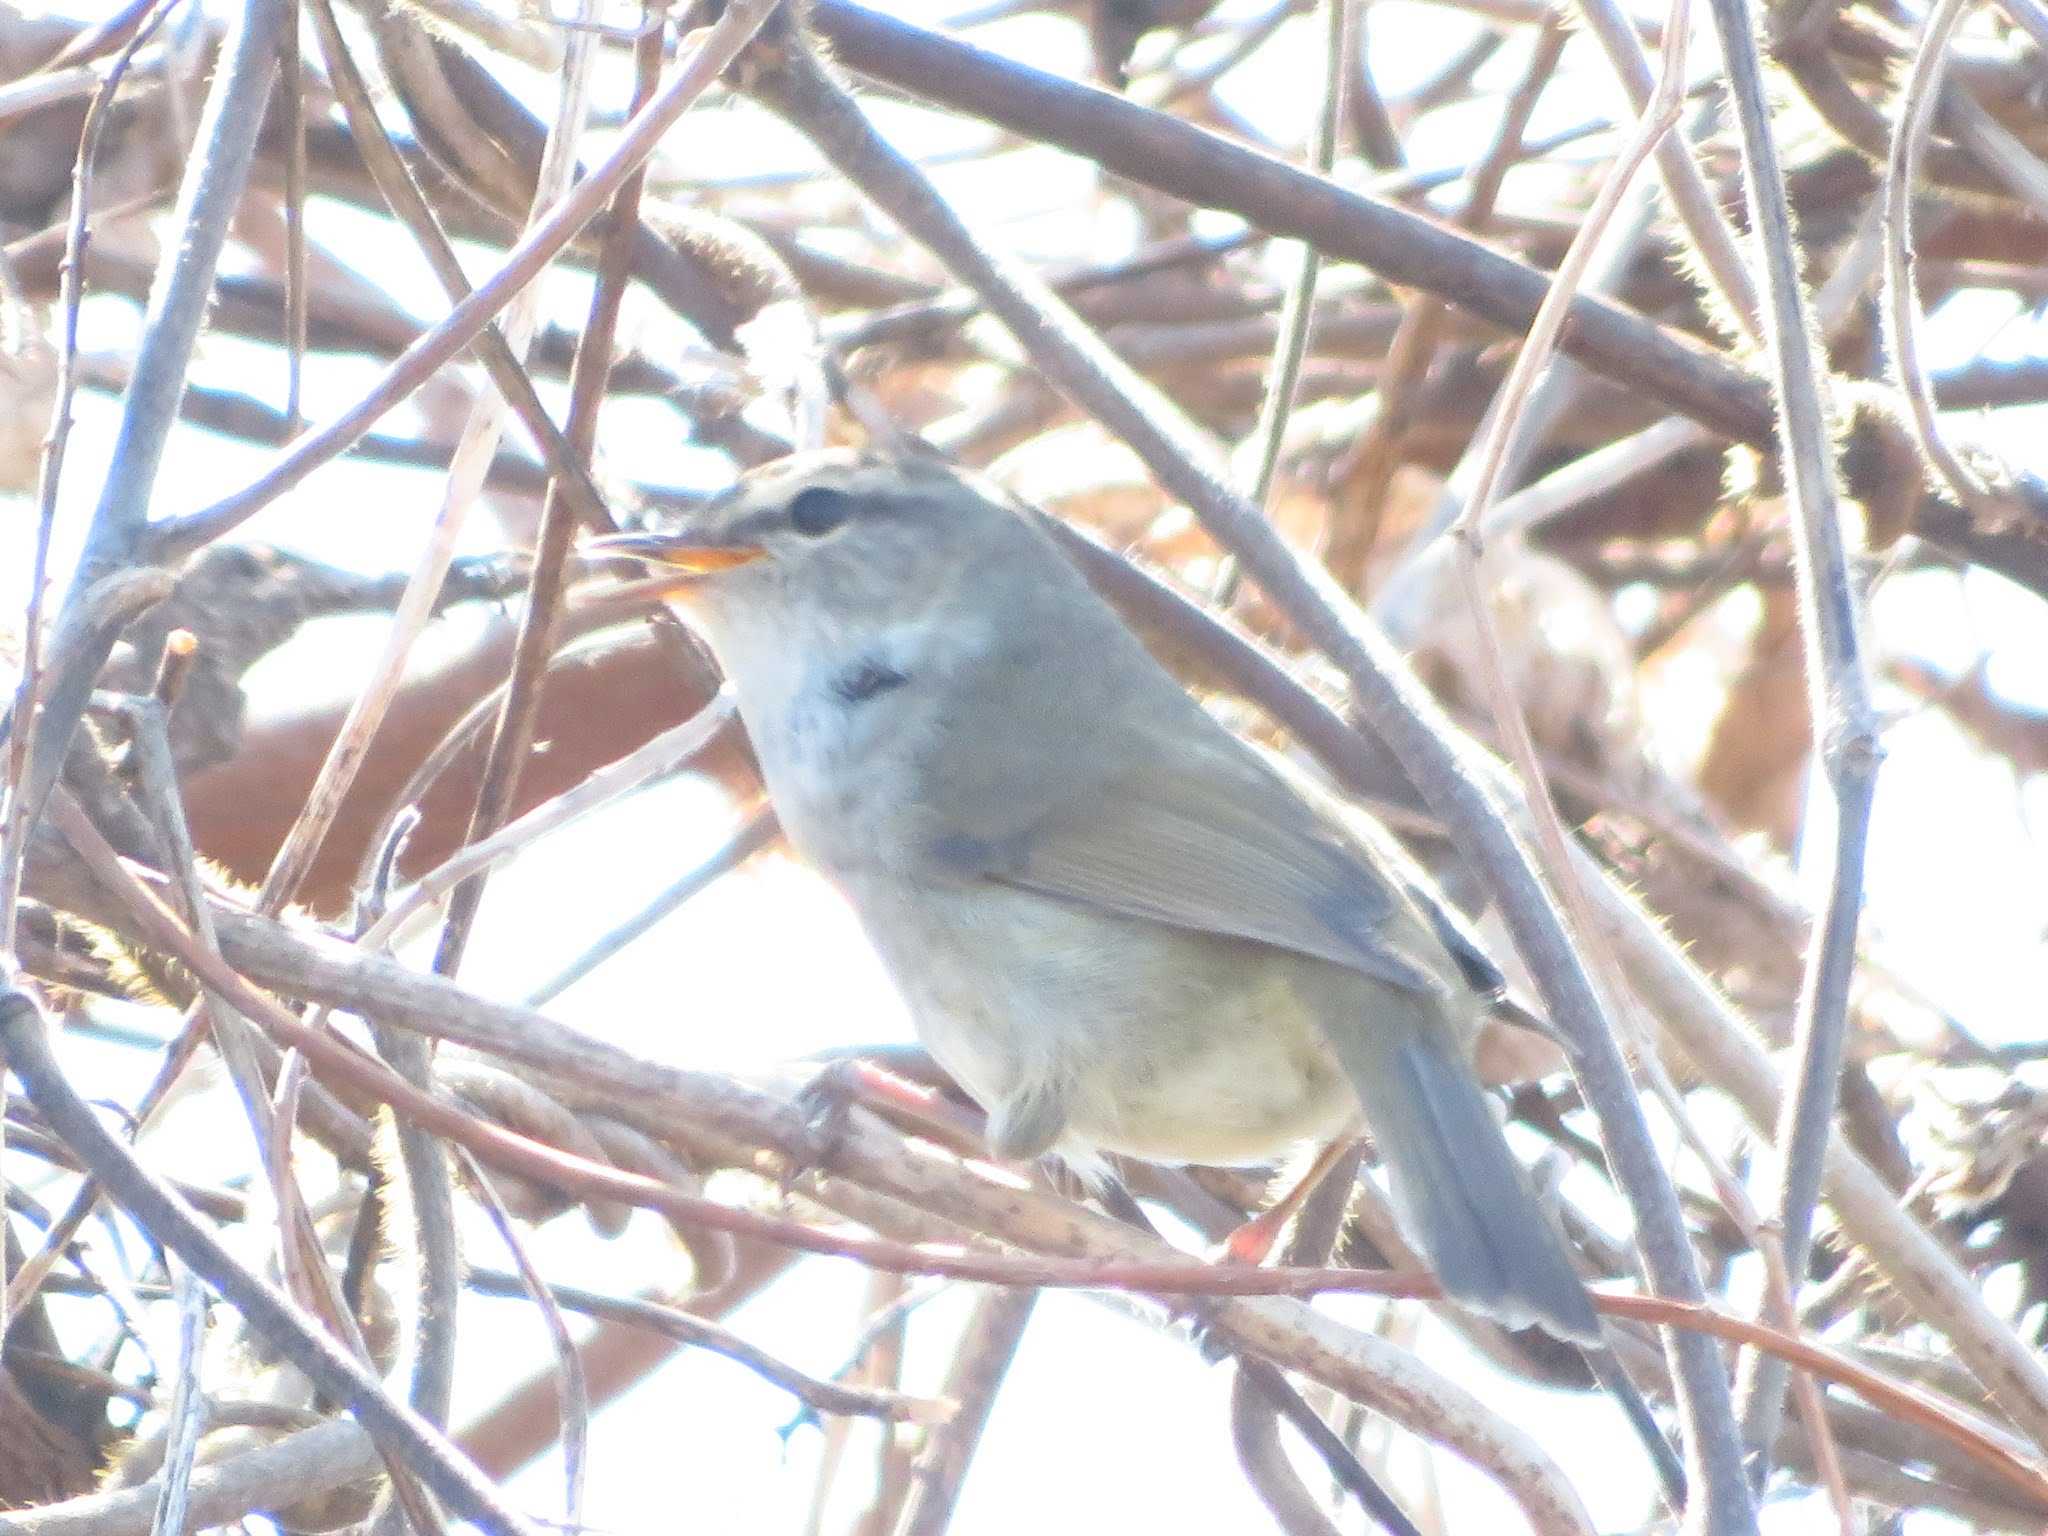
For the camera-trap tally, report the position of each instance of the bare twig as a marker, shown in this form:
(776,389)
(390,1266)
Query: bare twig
(568,1363)
(821,1396)
(175,1224)
(1684,183)
(512,737)
(1254,1416)
(409,205)
(467,318)
(26,717)
(1837,676)
(719,1109)
(296,305)
(1395,706)
(663,754)
(187,1413)
(206,205)
(1917,104)
(983,1357)
(1380,448)
(758,831)
(1715,1453)
(1298,310)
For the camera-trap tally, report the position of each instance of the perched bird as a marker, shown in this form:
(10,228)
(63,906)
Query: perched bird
(1117,925)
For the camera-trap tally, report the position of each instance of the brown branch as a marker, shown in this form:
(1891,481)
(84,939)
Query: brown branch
(764,1122)
(982,1359)
(161,1213)
(512,736)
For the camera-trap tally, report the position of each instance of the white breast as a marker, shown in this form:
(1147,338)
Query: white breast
(834,769)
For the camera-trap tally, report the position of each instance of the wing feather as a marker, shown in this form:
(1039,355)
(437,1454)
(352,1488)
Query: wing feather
(1154,810)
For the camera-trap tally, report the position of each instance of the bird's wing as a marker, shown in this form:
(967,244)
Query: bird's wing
(1452,928)
(1190,827)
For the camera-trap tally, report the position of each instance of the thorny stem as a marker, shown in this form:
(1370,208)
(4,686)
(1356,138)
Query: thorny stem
(1713,1446)
(632,1079)
(1394,705)
(1838,689)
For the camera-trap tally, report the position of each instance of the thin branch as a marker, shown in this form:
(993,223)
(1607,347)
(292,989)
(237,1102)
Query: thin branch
(1684,183)
(467,318)
(1297,310)
(816,1394)
(2003,152)
(1712,1442)
(982,1359)
(26,717)
(1837,677)
(169,1220)
(1254,1416)
(1350,1473)
(663,754)
(760,830)
(1392,702)
(1380,448)
(1917,104)
(206,205)
(187,1413)
(512,736)
(575,1390)
(718,1108)
(401,193)
(296,306)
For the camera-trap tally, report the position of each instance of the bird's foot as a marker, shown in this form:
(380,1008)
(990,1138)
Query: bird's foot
(827,1101)
(824,1107)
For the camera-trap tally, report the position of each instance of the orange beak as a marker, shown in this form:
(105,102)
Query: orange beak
(696,556)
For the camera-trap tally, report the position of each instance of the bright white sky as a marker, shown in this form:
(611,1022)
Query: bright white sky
(1102,1425)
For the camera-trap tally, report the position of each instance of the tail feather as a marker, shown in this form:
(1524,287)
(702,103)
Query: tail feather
(1458,1191)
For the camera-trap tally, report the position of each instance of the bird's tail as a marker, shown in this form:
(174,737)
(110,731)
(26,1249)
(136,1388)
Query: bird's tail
(1459,1193)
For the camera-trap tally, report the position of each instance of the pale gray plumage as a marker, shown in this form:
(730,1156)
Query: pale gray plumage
(1116,924)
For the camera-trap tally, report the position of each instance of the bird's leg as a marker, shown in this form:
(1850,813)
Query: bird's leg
(1253,1242)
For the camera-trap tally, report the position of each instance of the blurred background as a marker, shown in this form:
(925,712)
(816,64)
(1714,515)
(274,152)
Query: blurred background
(1643,583)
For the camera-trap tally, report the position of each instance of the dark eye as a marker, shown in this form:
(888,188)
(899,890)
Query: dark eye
(819,509)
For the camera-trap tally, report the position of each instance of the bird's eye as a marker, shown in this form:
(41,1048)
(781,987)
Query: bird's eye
(819,509)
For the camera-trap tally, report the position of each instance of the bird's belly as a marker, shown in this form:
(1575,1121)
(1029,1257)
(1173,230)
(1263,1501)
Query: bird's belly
(1160,1043)
(1241,1091)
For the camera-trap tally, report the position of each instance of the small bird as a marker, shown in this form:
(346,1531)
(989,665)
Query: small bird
(1118,926)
